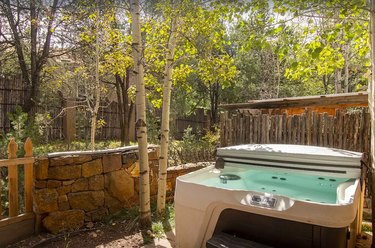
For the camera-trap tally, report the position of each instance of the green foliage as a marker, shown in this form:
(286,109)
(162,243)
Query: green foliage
(21,129)
(194,148)
(153,126)
(163,223)
(366,227)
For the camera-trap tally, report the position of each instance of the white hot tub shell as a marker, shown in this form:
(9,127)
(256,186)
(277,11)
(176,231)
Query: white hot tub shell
(279,187)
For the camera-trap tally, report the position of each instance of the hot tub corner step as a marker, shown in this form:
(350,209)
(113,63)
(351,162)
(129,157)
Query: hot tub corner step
(221,240)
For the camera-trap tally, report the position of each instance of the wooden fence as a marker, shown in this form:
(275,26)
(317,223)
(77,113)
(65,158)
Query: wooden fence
(17,223)
(350,131)
(13,92)
(198,121)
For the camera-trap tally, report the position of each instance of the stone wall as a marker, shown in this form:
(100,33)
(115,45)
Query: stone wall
(73,188)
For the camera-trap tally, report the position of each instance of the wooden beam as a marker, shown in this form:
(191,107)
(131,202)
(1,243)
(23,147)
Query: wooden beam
(19,218)
(16,228)
(16,161)
(334,100)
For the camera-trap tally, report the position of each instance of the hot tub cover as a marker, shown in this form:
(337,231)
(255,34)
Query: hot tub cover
(348,162)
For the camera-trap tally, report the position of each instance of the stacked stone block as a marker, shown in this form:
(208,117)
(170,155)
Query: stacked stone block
(73,189)
(70,190)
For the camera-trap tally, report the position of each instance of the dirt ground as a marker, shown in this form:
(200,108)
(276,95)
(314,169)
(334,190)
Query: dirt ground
(116,234)
(125,233)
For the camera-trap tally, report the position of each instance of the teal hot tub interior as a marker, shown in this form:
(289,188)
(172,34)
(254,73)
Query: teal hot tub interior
(295,185)
(272,196)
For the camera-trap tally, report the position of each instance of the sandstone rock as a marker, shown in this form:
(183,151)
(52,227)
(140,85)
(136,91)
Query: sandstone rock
(130,168)
(41,168)
(153,182)
(135,171)
(65,172)
(63,198)
(87,201)
(96,182)
(40,184)
(128,159)
(90,225)
(92,168)
(154,163)
(80,185)
(119,184)
(53,184)
(136,187)
(130,155)
(111,162)
(64,190)
(68,182)
(97,215)
(169,186)
(63,160)
(63,203)
(153,154)
(83,158)
(45,200)
(64,220)
(112,203)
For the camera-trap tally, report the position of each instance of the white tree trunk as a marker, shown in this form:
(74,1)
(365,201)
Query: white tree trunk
(346,57)
(164,142)
(95,109)
(144,178)
(338,88)
(371,105)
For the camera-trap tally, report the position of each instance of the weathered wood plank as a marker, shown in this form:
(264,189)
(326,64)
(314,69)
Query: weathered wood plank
(28,177)
(325,129)
(251,129)
(308,127)
(266,123)
(345,133)
(256,129)
(331,132)
(315,128)
(289,129)
(16,228)
(1,206)
(284,124)
(13,180)
(293,139)
(303,129)
(349,99)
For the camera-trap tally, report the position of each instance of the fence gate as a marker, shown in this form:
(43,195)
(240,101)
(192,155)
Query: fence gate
(17,219)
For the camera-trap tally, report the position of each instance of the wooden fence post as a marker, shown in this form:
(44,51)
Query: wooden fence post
(1,207)
(13,179)
(28,177)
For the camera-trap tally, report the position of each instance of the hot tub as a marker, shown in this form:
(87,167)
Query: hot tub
(271,195)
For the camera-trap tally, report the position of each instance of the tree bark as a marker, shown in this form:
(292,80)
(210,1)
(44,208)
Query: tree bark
(31,77)
(346,68)
(214,102)
(164,142)
(338,88)
(141,126)
(121,107)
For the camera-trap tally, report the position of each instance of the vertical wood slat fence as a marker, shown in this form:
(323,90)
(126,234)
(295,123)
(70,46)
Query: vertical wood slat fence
(23,222)
(198,121)
(349,131)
